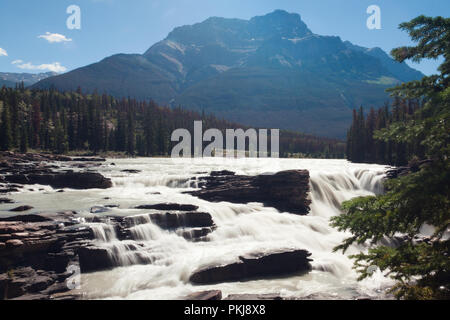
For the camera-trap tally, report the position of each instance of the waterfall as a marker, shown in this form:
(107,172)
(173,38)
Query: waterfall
(158,262)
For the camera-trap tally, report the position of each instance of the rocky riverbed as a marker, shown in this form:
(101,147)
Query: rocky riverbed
(40,252)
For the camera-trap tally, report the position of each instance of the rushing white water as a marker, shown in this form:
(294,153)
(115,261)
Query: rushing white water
(241,228)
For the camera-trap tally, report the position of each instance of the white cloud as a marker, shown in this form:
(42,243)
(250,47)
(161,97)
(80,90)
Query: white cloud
(55,66)
(54,37)
(3,52)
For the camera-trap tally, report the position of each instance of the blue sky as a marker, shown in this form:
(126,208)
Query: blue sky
(132,26)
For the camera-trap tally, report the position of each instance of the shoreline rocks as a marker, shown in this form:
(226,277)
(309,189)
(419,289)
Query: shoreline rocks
(27,169)
(35,253)
(286,191)
(73,180)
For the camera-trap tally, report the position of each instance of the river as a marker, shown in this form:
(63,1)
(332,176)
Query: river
(241,228)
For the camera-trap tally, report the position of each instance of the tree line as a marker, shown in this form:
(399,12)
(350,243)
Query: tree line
(61,122)
(363,145)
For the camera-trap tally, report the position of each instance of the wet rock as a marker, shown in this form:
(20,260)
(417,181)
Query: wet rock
(26,169)
(94,259)
(169,207)
(193,226)
(88,159)
(196,234)
(285,190)
(21,209)
(67,296)
(73,180)
(182,220)
(27,218)
(14,243)
(131,171)
(205,295)
(222,173)
(6,200)
(253,297)
(24,280)
(255,266)
(99,209)
(8,190)
(413,166)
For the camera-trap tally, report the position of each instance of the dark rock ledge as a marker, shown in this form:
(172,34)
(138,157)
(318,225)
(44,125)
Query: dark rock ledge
(52,170)
(412,167)
(285,190)
(255,266)
(169,206)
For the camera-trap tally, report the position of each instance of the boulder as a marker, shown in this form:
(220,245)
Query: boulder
(182,220)
(21,209)
(205,295)
(99,209)
(255,266)
(131,171)
(24,282)
(193,226)
(285,190)
(94,259)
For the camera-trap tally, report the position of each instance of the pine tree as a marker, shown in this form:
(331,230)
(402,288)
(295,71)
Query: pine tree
(6,140)
(131,134)
(422,269)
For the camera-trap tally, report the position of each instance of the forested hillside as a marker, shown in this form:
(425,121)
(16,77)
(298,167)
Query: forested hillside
(60,122)
(268,71)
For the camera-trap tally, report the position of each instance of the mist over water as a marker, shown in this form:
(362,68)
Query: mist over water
(241,229)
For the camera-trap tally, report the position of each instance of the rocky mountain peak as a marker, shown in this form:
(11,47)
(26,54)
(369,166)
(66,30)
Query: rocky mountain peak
(279,23)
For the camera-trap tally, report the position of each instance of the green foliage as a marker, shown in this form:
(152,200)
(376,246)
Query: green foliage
(64,122)
(6,140)
(421,267)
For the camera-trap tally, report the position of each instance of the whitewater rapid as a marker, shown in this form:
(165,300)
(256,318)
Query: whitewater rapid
(241,229)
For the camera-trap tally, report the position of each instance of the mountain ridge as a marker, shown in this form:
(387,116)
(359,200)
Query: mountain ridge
(269,71)
(10,79)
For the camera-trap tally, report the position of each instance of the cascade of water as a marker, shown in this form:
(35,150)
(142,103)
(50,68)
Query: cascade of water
(241,228)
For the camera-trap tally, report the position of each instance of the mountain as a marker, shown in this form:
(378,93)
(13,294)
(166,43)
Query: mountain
(11,79)
(270,71)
